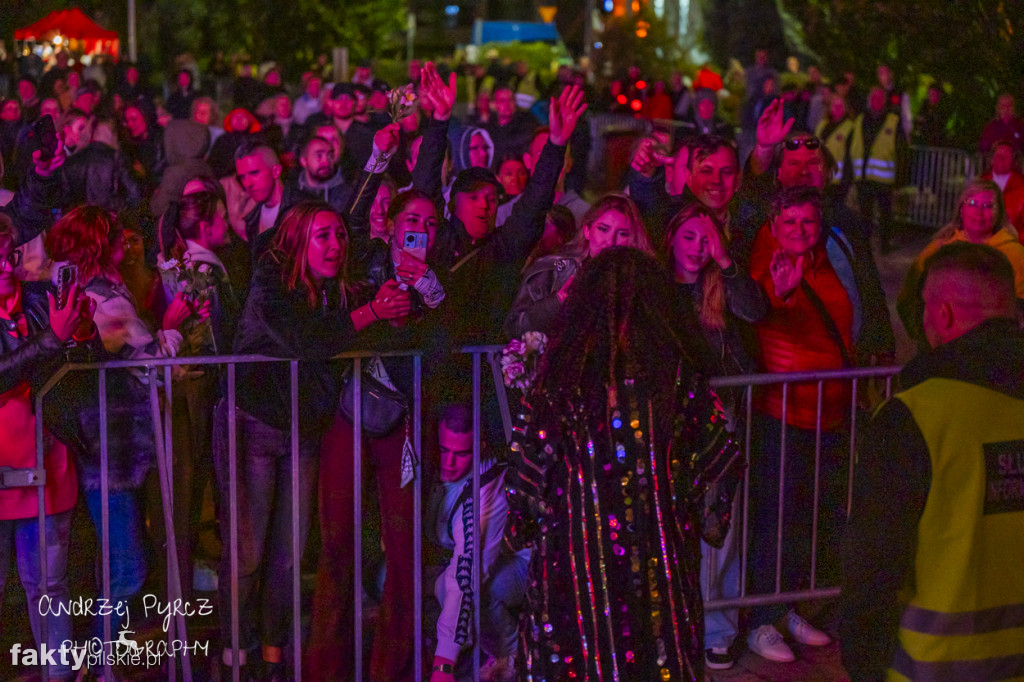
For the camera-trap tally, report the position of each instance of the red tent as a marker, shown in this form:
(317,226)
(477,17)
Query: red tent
(71,24)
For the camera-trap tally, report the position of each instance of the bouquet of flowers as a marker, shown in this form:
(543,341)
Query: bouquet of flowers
(401,102)
(520,359)
(194,279)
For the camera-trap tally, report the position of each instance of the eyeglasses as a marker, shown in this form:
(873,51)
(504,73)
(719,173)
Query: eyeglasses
(984,205)
(811,143)
(13,259)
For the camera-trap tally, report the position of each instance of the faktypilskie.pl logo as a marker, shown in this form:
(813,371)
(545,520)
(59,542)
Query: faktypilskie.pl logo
(124,651)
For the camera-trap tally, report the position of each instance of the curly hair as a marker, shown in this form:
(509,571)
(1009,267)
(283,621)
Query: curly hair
(291,246)
(617,323)
(711,309)
(86,236)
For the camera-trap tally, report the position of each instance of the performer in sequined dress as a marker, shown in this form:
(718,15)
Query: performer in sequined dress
(613,458)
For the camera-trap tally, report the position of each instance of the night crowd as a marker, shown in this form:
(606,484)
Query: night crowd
(364,216)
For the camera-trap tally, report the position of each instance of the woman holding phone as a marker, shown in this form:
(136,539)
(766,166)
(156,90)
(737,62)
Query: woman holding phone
(301,305)
(412,222)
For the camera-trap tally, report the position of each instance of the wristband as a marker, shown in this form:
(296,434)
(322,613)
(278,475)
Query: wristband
(443,668)
(374,312)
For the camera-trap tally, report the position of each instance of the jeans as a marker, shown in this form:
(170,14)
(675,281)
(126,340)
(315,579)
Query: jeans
(127,557)
(330,654)
(23,536)
(264,512)
(503,597)
(720,579)
(797,513)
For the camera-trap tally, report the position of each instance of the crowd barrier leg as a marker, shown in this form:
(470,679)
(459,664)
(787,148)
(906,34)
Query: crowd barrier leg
(296,536)
(105,513)
(476,514)
(357,504)
(233,521)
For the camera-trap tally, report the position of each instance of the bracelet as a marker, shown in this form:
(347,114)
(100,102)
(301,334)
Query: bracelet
(443,668)
(373,312)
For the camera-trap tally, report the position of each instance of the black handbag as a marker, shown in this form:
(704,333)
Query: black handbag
(382,408)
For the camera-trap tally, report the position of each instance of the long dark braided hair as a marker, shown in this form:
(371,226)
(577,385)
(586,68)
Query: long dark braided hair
(617,323)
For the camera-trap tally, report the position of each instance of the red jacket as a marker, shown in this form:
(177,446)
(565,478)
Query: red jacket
(794,338)
(18,449)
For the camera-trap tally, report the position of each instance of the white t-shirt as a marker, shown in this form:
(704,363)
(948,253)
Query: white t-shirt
(268,216)
(1001,180)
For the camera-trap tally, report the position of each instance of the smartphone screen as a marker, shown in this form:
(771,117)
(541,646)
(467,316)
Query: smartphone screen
(67,274)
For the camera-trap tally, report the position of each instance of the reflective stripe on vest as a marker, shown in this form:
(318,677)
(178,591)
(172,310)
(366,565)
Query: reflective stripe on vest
(881,163)
(836,143)
(965,616)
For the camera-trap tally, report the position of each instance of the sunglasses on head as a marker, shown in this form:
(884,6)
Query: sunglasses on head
(808,142)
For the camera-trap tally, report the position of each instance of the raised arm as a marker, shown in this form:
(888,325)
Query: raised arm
(31,207)
(440,98)
(525,225)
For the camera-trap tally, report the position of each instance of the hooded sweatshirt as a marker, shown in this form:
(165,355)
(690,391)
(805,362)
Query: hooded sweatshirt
(185,145)
(462,148)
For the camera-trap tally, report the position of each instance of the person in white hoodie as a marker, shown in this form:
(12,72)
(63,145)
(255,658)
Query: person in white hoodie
(503,577)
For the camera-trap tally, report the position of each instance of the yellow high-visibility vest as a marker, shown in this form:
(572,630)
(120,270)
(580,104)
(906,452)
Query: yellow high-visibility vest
(881,163)
(964,615)
(837,143)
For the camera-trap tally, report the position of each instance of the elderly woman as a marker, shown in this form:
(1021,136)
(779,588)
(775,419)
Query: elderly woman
(812,324)
(980,219)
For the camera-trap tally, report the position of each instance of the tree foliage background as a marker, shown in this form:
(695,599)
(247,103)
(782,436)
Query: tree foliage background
(976,47)
(292,32)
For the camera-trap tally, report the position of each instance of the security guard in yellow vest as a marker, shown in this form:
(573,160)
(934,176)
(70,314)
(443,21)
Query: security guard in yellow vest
(933,559)
(876,151)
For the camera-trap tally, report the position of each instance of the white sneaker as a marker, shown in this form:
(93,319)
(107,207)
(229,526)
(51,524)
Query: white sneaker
(498,669)
(804,632)
(768,643)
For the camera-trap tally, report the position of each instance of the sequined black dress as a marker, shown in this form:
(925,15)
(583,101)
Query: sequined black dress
(614,501)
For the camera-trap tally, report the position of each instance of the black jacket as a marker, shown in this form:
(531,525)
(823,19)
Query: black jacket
(280,323)
(98,175)
(31,207)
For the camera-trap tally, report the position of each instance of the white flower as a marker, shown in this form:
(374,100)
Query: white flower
(535,341)
(205,268)
(169,264)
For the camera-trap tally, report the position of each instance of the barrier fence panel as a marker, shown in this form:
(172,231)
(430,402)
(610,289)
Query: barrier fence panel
(937,177)
(177,627)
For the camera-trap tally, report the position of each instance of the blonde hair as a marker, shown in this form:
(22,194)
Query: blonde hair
(711,308)
(977,186)
(579,246)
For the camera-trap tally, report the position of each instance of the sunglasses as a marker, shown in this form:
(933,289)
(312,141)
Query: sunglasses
(808,142)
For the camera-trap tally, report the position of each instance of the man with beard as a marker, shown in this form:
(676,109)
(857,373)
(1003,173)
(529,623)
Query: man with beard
(321,175)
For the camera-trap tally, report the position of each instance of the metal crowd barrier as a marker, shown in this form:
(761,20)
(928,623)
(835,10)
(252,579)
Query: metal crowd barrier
(480,355)
(937,177)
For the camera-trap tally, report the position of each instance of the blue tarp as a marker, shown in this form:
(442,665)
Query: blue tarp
(507,31)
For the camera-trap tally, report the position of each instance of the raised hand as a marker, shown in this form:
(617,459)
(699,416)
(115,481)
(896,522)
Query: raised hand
(786,272)
(48,167)
(410,268)
(386,139)
(716,246)
(435,95)
(565,112)
(771,127)
(649,156)
(75,316)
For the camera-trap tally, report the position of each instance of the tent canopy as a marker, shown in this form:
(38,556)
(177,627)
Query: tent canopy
(68,23)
